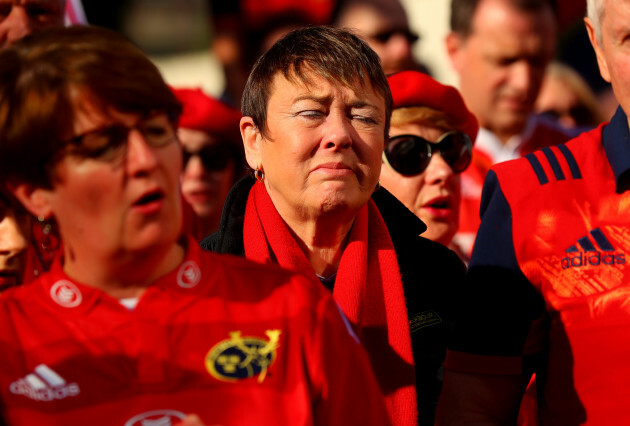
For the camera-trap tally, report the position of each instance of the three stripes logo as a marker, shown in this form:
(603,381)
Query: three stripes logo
(595,252)
(44,384)
(554,156)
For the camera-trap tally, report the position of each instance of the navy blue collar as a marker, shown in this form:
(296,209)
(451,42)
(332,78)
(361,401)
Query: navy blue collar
(616,140)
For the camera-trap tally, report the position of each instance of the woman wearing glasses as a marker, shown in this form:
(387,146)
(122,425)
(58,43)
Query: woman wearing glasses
(213,156)
(316,112)
(430,144)
(134,323)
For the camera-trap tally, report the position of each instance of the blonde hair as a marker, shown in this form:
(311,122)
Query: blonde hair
(421,115)
(580,87)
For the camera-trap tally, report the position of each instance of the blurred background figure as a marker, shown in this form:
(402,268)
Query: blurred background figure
(567,98)
(500,49)
(212,153)
(15,228)
(244,29)
(19,18)
(384,26)
(430,144)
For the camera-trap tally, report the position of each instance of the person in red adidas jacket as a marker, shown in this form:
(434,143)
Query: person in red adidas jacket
(134,324)
(548,283)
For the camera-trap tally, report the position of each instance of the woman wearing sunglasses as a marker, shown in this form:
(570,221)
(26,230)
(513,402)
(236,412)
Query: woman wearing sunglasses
(430,144)
(213,158)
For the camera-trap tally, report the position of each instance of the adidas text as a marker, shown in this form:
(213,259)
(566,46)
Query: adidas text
(44,385)
(592,258)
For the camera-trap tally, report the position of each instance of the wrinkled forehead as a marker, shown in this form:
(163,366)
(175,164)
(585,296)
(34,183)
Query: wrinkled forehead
(307,78)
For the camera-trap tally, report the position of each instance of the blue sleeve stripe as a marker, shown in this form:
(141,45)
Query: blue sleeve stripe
(573,165)
(553,161)
(540,173)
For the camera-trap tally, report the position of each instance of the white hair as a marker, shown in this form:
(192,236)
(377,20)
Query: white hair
(595,12)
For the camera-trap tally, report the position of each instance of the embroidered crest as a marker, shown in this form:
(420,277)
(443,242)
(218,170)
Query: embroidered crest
(188,275)
(66,294)
(242,357)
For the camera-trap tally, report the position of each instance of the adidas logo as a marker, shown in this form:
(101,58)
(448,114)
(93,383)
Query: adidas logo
(44,384)
(591,255)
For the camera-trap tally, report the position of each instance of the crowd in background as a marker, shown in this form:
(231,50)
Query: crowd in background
(459,242)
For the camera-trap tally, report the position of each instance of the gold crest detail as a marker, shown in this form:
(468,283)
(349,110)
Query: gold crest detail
(241,357)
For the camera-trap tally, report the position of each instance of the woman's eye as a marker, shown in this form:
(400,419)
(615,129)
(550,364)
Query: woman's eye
(311,113)
(364,119)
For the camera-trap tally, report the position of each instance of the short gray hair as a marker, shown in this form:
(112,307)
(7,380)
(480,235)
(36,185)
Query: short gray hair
(595,12)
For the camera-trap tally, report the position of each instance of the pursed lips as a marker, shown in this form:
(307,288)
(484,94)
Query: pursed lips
(334,168)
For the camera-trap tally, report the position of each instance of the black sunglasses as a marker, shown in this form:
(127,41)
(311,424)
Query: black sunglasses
(410,155)
(109,143)
(385,35)
(213,157)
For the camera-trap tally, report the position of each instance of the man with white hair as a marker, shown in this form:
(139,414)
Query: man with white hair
(548,287)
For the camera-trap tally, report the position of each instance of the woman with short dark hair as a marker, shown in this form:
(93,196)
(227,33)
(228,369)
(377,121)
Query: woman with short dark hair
(316,113)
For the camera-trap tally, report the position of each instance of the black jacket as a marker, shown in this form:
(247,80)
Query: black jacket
(430,276)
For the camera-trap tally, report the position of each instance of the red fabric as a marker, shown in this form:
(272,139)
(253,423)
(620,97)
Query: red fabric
(367,288)
(151,365)
(202,112)
(473,177)
(585,289)
(259,13)
(413,88)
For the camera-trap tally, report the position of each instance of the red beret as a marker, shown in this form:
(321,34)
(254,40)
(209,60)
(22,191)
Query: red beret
(413,88)
(202,112)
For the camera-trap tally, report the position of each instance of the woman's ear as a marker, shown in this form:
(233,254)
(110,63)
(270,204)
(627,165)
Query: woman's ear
(252,142)
(38,201)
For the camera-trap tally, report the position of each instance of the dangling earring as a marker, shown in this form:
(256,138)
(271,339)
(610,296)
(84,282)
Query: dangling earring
(259,175)
(48,241)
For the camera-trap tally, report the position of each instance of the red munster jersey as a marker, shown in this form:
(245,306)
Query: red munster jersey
(549,280)
(235,342)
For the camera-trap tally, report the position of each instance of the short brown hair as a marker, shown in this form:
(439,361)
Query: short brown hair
(463,11)
(38,76)
(335,54)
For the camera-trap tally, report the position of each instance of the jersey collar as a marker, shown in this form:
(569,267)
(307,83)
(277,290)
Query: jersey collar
(616,141)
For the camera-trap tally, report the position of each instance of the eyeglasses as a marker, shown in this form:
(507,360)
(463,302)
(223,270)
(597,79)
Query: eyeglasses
(109,143)
(410,155)
(213,157)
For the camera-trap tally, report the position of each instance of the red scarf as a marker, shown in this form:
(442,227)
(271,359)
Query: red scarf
(367,288)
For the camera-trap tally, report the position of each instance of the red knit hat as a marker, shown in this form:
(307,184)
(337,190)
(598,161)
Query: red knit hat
(202,112)
(413,88)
